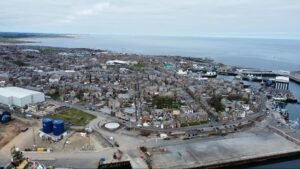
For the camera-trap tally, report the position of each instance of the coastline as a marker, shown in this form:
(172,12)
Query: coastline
(19,39)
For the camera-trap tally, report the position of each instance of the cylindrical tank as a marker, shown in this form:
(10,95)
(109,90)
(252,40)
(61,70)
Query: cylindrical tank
(269,83)
(6,113)
(47,125)
(5,118)
(58,127)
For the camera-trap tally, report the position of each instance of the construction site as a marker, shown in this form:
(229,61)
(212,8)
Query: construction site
(9,131)
(30,140)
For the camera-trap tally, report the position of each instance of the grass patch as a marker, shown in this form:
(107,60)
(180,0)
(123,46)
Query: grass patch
(74,117)
(162,102)
(138,66)
(19,63)
(216,102)
(48,50)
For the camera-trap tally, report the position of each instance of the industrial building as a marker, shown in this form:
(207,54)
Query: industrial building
(282,83)
(19,96)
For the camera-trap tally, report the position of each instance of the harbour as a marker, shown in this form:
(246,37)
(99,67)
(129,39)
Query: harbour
(288,160)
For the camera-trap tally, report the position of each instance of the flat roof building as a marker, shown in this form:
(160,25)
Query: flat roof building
(19,96)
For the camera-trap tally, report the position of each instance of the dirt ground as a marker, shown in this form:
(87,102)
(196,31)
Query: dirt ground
(80,142)
(11,129)
(73,143)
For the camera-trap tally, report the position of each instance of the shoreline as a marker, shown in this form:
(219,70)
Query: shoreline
(31,38)
(24,44)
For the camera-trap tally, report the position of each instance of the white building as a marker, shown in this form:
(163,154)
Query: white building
(19,96)
(181,72)
(54,78)
(282,83)
(120,62)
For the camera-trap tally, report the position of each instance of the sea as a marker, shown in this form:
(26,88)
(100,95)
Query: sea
(279,54)
(262,53)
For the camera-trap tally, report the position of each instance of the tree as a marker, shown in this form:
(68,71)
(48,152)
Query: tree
(216,102)
(80,94)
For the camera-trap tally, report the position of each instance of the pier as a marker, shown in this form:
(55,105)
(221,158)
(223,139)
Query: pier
(240,149)
(265,74)
(295,78)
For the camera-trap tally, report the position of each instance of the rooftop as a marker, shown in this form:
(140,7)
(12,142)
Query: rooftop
(282,79)
(16,92)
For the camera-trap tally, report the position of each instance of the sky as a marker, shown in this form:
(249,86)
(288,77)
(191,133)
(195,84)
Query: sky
(153,17)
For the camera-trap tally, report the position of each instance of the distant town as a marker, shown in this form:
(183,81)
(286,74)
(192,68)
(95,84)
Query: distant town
(63,106)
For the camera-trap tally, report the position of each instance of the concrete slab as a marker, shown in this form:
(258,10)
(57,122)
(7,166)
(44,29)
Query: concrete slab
(233,147)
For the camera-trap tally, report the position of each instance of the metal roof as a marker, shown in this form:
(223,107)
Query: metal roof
(16,92)
(282,79)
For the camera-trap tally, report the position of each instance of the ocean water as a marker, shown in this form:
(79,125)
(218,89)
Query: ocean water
(279,54)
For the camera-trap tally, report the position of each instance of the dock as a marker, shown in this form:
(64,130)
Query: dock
(240,149)
(295,78)
(263,74)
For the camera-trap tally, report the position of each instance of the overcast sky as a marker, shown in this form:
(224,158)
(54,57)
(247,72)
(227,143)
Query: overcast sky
(148,17)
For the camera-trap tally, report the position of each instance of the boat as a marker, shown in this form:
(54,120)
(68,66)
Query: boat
(281,99)
(284,113)
(292,100)
(210,74)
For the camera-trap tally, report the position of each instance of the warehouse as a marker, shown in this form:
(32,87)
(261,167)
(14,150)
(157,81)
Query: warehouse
(282,83)
(19,96)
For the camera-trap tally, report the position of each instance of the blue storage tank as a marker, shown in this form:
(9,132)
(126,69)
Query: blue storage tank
(269,83)
(6,118)
(58,127)
(6,113)
(47,125)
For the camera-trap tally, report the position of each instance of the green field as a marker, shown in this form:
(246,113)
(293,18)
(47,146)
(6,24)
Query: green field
(74,117)
(138,66)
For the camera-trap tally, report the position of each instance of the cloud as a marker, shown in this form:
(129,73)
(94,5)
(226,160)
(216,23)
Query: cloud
(94,10)
(79,13)
(151,16)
